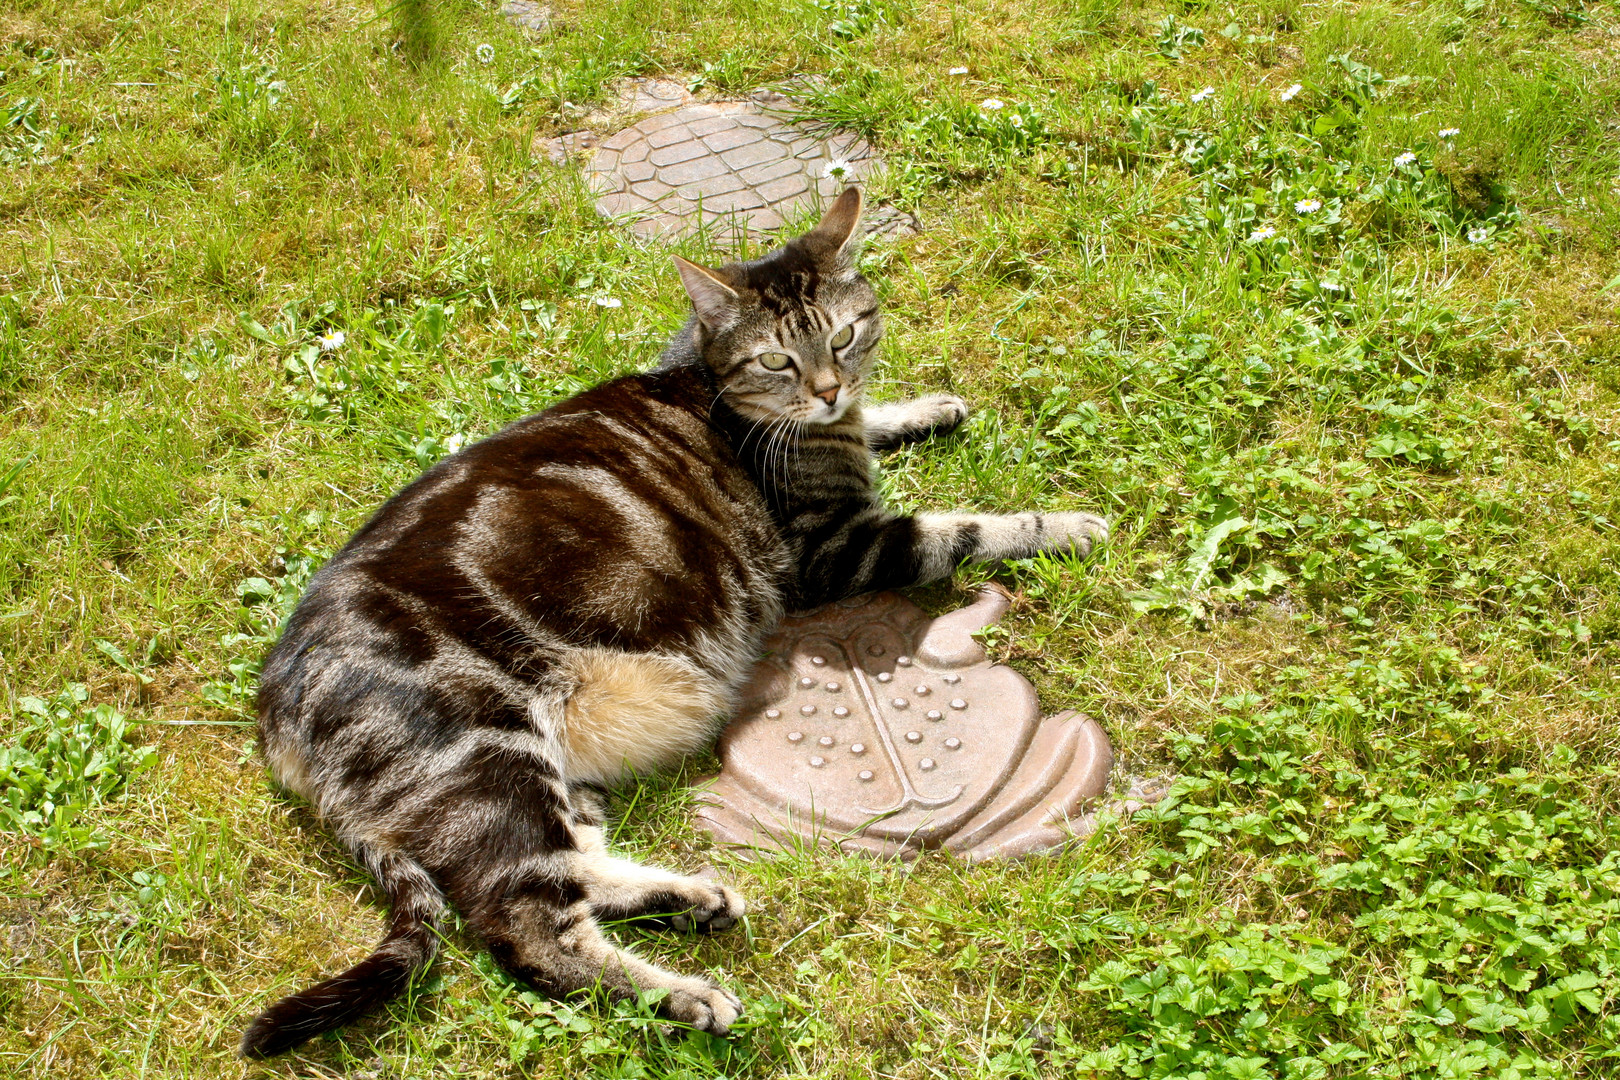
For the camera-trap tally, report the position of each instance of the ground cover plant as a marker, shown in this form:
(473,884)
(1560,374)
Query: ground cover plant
(1317,303)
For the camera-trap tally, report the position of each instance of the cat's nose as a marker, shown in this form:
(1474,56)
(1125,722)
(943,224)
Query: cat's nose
(829,395)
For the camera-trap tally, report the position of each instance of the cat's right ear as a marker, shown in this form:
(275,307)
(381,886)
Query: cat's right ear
(716,302)
(837,240)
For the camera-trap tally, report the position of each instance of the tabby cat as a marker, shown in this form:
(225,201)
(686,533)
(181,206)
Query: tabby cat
(575,600)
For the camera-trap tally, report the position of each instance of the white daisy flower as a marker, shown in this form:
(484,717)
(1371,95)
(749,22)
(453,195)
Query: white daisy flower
(1291,92)
(1478,235)
(1332,286)
(1265,232)
(332,339)
(485,53)
(1307,206)
(991,104)
(1205,94)
(607,301)
(957,71)
(838,169)
(1450,133)
(1016,120)
(1403,160)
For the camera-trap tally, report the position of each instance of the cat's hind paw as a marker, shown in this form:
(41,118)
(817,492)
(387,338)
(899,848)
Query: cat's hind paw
(714,907)
(702,1006)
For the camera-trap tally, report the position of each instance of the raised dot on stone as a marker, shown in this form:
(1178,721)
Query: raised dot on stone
(958,703)
(922,691)
(834,687)
(810,710)
(913,736)
(840,711)
(935,714)
(926,763)
(903,661)
(807,682)
(953,679)
(901,703)
(884,676)
(774,714)
(818,660)
(953,743)
(857,748)
(817,762)
(825,740)
(865,774)
(795,736)
(874,650)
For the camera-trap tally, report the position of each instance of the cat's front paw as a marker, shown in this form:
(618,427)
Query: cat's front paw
(702,1005)
(941,414)
(889,427)
(1073,530)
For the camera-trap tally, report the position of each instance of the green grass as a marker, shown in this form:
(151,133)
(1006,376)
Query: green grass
(1362,595)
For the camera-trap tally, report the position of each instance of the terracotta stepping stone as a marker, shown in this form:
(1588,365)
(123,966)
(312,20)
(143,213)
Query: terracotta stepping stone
(747,162)
(875,729)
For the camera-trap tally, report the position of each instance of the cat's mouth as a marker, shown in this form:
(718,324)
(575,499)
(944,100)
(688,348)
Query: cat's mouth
(823,412)
(829,413)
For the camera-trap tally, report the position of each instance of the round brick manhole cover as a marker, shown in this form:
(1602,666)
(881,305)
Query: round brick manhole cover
(876,729)
(723,162)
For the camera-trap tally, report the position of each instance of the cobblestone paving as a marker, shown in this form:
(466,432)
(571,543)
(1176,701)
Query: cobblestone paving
(728,164)
(528,15)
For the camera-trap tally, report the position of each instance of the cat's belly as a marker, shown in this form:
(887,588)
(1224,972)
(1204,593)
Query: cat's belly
(634,712)
(631,714)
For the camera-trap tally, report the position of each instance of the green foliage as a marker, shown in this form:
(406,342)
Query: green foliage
(248,104)
(852,18)
(629,1040)
(1175,38)
(419,30)
(263,605)
(64,758)
(1490,893)
(22,142)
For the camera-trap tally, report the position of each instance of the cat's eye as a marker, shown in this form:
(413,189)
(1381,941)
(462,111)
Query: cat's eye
(844,336)
(774,361)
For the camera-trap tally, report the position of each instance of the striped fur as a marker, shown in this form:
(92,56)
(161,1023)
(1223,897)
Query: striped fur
(578,599)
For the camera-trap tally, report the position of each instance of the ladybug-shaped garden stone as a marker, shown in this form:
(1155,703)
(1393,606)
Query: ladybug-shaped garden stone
(871,727)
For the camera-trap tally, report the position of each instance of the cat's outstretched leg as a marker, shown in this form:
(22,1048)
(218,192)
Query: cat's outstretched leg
(620,889)
(528,881)
(546,935)
(889,427)
(873,549)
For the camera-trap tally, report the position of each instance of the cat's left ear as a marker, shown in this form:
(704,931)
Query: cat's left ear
(837,240)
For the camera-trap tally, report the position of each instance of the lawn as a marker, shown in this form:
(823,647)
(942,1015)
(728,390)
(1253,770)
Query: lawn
(1319,303)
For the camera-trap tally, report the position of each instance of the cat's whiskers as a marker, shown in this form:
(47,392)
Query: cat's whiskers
(749,434)
(773,449)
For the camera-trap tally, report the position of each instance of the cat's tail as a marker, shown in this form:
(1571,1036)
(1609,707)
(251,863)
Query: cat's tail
(412,940)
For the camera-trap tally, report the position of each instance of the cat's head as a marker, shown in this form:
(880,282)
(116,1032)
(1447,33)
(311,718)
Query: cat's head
(794,333)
